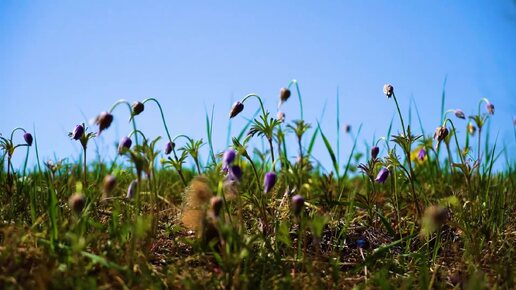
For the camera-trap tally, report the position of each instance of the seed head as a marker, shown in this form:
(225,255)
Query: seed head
(125,144)
(77,132)
(104,121)
(236,109)
(421,155)
(280,116)
(109,183)
(137,108)
(216,205)
(374,152)
(28,138)
(269,181)
(77,202)
(459,114)
(284,94)
(382,175)
(131,190)
(169,147)
(298,202)
(388,90)
(490,108)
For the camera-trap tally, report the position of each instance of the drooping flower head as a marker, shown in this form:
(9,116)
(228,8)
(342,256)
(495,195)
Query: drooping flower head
(137,108)
(236,109)
(235,173)
(104,121)
(77,132)
(269,181)
(374,152)
(490,108)
(298,202)
(124,145)
(28,138)
(77,201)
(459,114)
(388,90)
(284,95)
(169,147)
(109,183)
(228,158)
(471,129)
(382,175)
(440,133)
(422,154)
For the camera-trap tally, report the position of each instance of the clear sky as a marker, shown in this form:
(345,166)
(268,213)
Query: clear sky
(63,62)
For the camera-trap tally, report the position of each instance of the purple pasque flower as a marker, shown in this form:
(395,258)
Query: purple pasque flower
(235,173)
(490,108)
(131,190)
(28,138)
(269,181)
(124,145)
(236,109)
(422,154)
(298,202)
(77,132)
(374,152)
(228,158)
(382,175)
(104,121)
(169,147)
(459,114)
(137,108)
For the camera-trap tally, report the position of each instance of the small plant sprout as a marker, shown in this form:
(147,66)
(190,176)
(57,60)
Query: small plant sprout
(382,176)
(298,202)
(269,181)
(131,190)
(77,201)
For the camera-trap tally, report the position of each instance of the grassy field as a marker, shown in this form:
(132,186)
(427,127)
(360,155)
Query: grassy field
(413,211)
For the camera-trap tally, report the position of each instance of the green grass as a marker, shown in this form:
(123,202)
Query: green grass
(433,224)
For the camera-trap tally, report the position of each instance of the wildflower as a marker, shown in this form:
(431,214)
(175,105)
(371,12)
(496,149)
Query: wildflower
(440,133)
(235,173)
(374,152)
(77,132)
(298,202)
(228,158)
(471,129)
(269,181)
(382,175)
(236,109)
(169,147)
(459,114)
(280,116)
(284,95)
(490,108)
(422,154)
(216,205)
(125,144)
(347,128)
(388,90)
(104,121)
(109,183)
(131,189)
(137,108)
(77,202)
(28,138)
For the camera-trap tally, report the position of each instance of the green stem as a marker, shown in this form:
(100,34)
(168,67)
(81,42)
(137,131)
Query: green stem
(294,82)
(122,101)
(259,100)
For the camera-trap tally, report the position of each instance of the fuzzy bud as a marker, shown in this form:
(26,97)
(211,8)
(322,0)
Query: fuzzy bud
(280,116)
(28,138)
(388,90)
(77,202)
(459,114)
(374,152)
(77,132)
(382,175)
(104,121)
(169,147)
(284,94)
(440,133)
(235,173)
(228,158)
(137,108)
(109,183)
(490,108)
(471,129)
(236,109)
(422,154)
(298,202)
(269,181)
(125,144)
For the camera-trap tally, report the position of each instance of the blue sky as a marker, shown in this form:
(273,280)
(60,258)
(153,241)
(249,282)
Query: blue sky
(63,62)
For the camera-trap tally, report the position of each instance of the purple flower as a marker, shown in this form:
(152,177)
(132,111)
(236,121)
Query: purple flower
(235,173)
(125,144)
(382,175)
(298,203)
(374,152)
(459,114)
(269,181)
(490,108)
(131,190)
(104,121)
(169,147)
(421,155)
(28,138)
(77,132)
(137,108)
(228,158)
(236,109)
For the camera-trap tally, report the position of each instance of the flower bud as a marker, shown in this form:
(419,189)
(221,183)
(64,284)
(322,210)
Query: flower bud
(374,152)
(169,147)
(422,154)
(471,129)
(298,202)
(459,114)
(104,121)
(236,109)
(280,116)
(490,108)
(347,128)
(77,202)
(440,133)
(269,181)
(382,175)
(137,108)
(284,95)
(125,144)
(109,183)
(77,132)
(131,190)
(388,90)
(228,158)
(28,138)
(235,173)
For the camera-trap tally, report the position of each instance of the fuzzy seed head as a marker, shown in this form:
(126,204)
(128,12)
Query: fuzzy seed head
(236,109)
(388,90)
(471,129)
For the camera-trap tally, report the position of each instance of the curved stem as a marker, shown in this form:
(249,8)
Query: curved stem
(135,132)
(399,113)
(259,100)
(122,101)
(456,140)
(16,129)
(298,95)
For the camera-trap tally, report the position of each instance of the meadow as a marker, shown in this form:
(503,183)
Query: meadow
(418,209)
